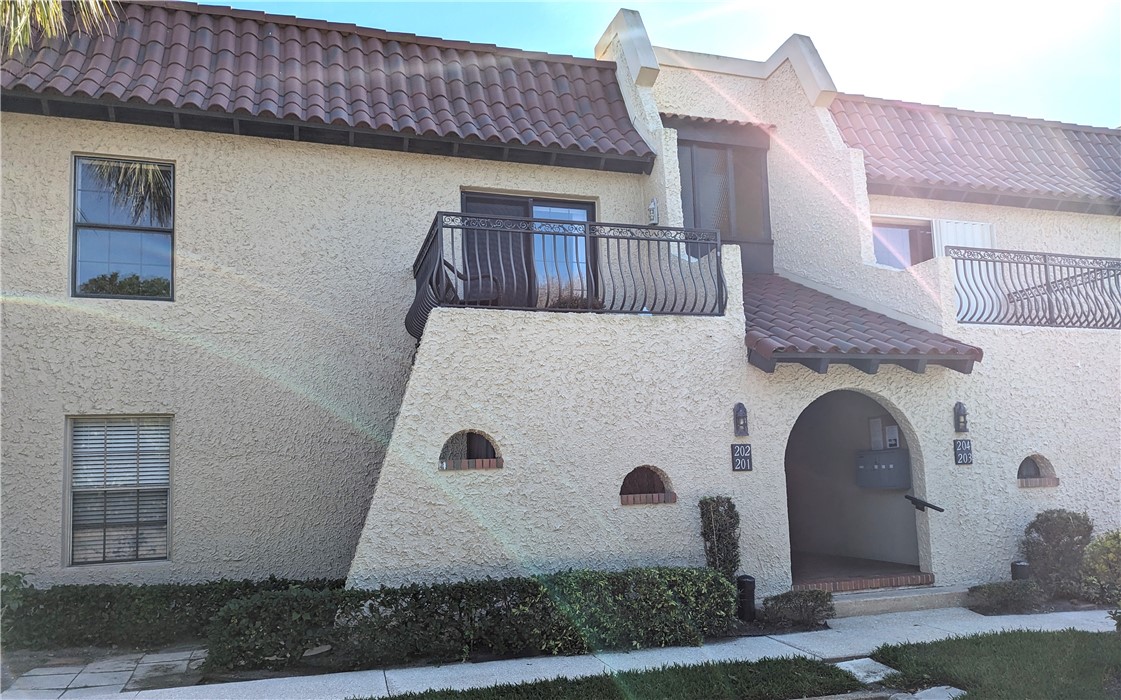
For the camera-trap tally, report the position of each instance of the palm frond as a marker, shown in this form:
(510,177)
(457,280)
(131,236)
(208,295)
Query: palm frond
(139,187)
(23,23)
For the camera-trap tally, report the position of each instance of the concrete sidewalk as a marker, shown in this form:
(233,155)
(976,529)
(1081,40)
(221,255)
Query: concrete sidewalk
(847,638)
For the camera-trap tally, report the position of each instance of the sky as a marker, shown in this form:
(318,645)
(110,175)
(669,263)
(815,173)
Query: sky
(1050,60)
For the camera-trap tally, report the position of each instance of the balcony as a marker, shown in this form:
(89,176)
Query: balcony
(524,264)
(1021,288)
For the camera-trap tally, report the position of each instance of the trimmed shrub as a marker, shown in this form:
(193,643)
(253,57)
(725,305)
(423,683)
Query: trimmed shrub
(642,607)
(272,629)
(1053,543)
(801,608)
(720,528)
(125,614)
(1005,597)
(571,612)
(1101,569)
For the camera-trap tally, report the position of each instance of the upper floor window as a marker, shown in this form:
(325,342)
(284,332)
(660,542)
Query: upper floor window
(901,243)
(724,187)
(123,228)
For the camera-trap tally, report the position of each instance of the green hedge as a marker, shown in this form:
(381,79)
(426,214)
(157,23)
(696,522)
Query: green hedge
(806,608)
(572,612)
(124,614)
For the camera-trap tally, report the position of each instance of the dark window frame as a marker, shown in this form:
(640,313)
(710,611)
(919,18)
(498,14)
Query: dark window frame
(75,225)
(742,157)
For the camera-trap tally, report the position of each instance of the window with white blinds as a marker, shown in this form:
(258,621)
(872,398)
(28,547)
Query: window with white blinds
(120,470)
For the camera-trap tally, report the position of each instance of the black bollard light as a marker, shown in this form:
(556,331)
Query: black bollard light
(1021,571)
(745,610)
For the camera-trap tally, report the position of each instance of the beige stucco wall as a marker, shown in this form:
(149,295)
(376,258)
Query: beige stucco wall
(282,358)
(610,393)
(1019,228)
(575,401)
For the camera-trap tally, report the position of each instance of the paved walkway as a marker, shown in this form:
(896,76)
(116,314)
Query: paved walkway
(847,638)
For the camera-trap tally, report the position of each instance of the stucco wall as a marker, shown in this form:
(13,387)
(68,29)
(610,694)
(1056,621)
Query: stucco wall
(1018,228)
(282,358)
(575,401)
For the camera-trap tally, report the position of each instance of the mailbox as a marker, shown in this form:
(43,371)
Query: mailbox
(884,469)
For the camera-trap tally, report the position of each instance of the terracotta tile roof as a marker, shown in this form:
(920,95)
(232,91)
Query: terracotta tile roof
(673,116)
(787,321)
(923,146)
(218,59)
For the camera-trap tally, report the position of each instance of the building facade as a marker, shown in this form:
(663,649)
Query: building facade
(363,315)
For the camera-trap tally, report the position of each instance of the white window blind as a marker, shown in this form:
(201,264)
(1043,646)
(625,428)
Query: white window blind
(120,479)
(967,234)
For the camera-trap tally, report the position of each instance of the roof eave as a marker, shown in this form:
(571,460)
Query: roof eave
(1106,207)
(868,363)
(244,124)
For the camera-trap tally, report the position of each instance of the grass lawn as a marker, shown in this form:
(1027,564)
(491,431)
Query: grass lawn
(769,679)
(1052,665)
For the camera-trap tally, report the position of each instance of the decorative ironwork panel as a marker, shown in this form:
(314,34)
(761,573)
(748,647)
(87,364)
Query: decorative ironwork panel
(1024,288)
(470,260)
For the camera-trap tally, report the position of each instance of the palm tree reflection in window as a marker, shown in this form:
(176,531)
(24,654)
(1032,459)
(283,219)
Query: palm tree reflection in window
(124,213)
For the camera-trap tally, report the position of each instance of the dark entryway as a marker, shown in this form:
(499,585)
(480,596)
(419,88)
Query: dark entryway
(848,533)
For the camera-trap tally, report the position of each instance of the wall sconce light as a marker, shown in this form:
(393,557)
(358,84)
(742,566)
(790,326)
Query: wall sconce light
(739,419)
(961,424)
(652,211)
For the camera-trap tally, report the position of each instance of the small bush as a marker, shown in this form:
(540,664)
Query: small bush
(13,595)
(571,612)
(800,608)
(720,528)
(1053,544)
(125,614)
(1005,597)
(1101,569)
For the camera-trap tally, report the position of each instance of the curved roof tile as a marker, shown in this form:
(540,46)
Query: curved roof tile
(221,59)
(915,145)
(785,317)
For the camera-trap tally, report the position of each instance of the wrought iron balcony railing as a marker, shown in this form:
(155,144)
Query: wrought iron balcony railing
(475,260)
(1020,288)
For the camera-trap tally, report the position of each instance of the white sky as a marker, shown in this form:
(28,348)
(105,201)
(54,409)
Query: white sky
(1054,60)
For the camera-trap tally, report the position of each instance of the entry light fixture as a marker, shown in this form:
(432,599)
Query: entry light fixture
(739,419)
(961,424)
(652,211)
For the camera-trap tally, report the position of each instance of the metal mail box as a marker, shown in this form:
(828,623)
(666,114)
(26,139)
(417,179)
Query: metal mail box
(883,469)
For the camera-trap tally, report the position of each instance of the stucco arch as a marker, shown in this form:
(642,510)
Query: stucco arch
(912,440)
(455,446)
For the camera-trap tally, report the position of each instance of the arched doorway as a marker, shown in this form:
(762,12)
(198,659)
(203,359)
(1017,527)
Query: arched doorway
(850,528)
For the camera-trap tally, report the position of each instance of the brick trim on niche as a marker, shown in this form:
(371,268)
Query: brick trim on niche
(1038,482)
(860,584)
(456,465)
(640,499)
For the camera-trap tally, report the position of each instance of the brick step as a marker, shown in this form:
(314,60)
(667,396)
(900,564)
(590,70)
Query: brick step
(842,585)
(889,600)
